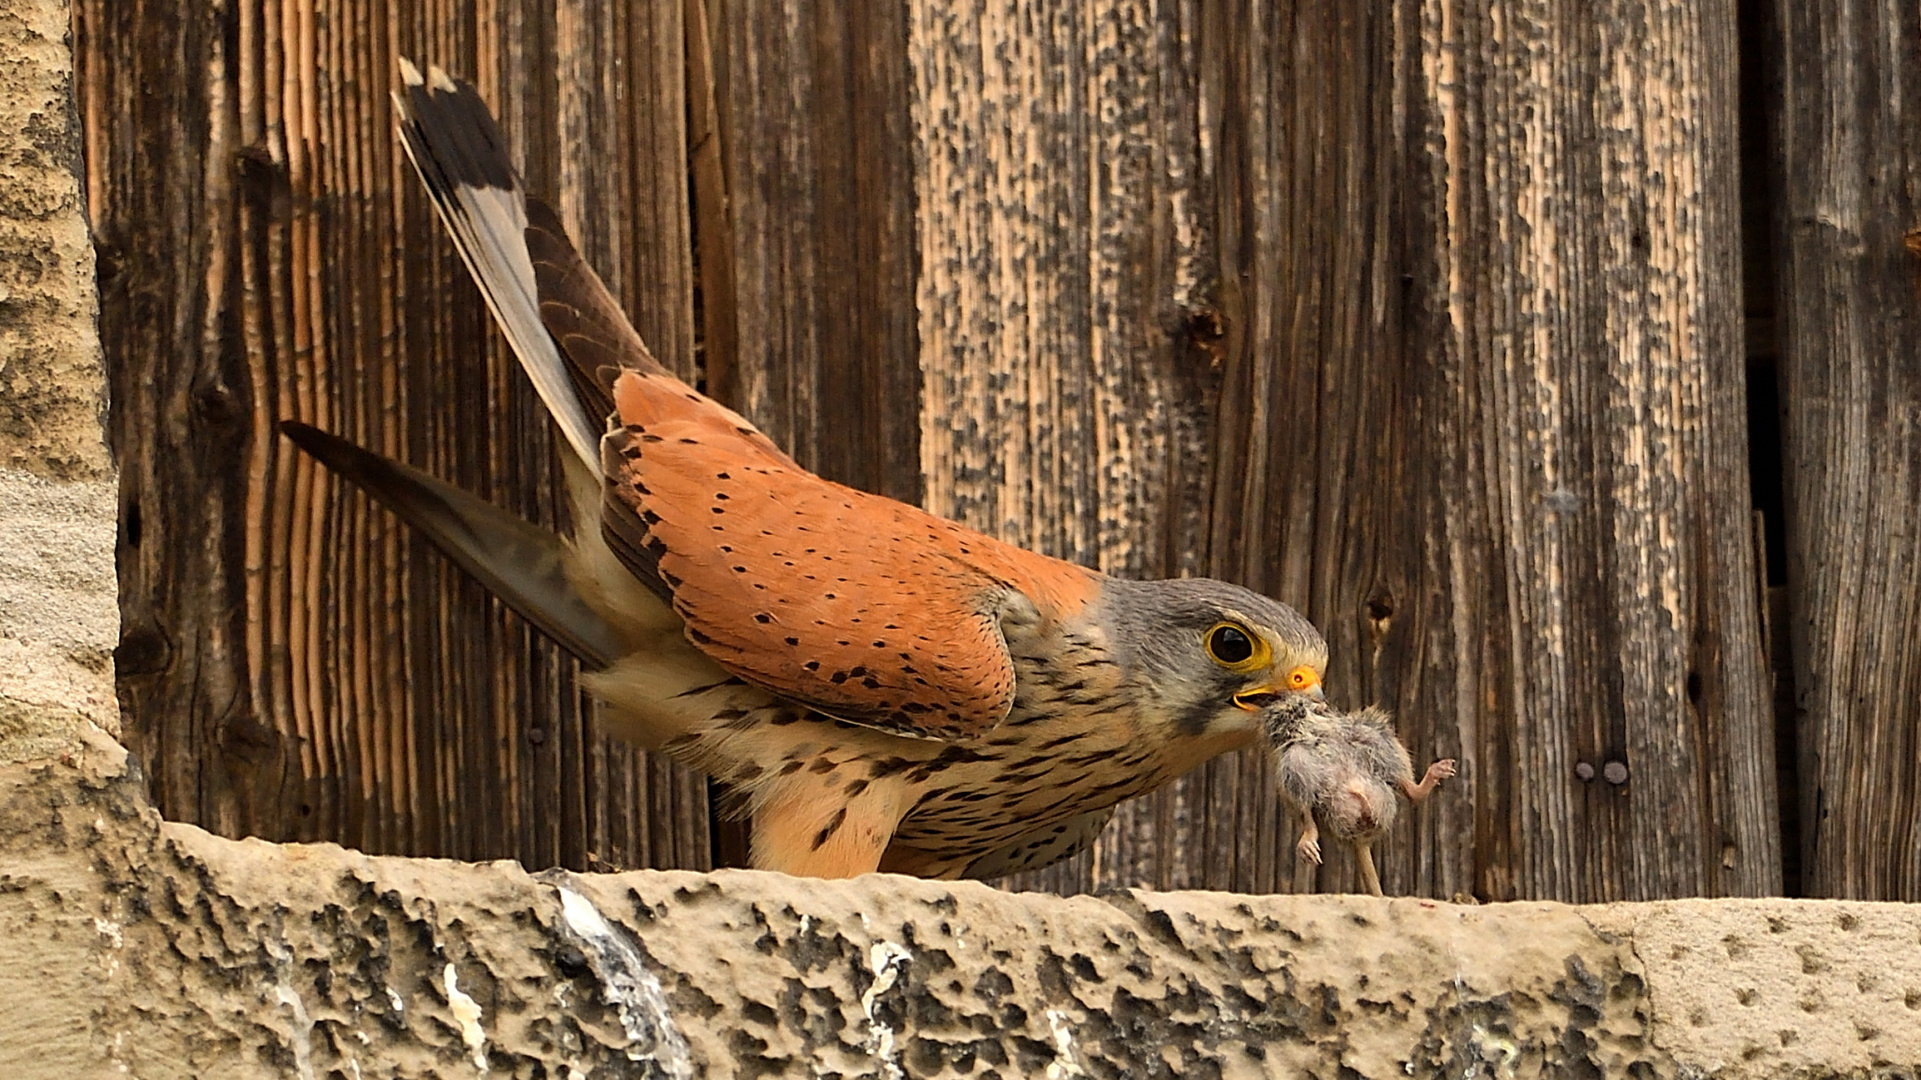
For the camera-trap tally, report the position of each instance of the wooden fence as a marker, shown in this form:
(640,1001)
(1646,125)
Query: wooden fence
(1427,316)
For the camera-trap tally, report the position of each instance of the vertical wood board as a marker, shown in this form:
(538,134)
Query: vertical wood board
(1421,317)
(1589,606)
(298,666)
(1847,140)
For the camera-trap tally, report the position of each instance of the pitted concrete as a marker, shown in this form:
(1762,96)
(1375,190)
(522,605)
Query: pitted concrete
(168,952)
(52,393)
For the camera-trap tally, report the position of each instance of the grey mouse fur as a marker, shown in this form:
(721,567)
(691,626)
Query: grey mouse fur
(1348,767)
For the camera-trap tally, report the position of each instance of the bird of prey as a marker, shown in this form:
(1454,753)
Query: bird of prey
(879,688)
(1348,767)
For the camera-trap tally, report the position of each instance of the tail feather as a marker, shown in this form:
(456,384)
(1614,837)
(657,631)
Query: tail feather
(521,563)
(563,323)
(461,156)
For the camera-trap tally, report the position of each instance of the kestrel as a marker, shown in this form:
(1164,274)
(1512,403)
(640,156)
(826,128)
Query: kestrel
(1350,768)
(878,687)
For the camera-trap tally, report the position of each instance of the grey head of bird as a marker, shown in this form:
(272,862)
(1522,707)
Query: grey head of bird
(1210,656)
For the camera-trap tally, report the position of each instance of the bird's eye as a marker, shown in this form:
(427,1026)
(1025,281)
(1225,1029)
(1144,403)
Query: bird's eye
(1229,645)
(1235,648)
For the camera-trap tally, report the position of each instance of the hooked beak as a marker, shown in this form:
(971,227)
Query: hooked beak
(1300,681)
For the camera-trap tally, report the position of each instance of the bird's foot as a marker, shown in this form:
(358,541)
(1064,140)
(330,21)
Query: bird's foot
(1310,849)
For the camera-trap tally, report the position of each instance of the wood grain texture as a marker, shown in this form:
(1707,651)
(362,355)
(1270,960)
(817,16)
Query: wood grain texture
(815,146)
(1584,590)
(1307,504)
(1421,316)
(295,664)
(1428,224)
(806,238)
(188,405)
(1847,149)
(713,213)
(1058,180)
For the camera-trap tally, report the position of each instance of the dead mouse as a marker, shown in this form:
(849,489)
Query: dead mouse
(1347,767)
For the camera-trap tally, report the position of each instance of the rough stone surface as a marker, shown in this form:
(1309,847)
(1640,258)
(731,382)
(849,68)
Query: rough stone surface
(59,614)
(130,943)
(51,388)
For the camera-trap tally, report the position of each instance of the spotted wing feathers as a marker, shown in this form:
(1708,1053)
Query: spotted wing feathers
(862,607)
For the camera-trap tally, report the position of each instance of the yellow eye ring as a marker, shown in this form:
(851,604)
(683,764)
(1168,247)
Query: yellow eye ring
(1302,679)
(1236,648)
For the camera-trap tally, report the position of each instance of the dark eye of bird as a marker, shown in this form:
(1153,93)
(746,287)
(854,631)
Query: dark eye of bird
(1229,645)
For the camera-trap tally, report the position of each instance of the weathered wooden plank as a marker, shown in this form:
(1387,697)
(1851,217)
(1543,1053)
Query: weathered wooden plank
(622,189)
(1306,214)
(1058,175)
(713,212)
(296,665)
(1306,295)
(806,238)
(1576,615)
(1846,143)
(149,126)
(1540,559)
(813,126)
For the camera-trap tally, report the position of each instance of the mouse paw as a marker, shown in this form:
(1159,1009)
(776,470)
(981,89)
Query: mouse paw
(1310,850)
(1441,769)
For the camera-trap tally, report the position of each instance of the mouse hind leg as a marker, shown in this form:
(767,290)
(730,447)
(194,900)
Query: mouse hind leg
(1364,855)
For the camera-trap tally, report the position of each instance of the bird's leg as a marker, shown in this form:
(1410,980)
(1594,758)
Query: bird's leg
(1436,773)
(1310,843)
(813,829)
(1369,879)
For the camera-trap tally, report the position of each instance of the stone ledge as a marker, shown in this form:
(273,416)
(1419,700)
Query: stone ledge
(151,948)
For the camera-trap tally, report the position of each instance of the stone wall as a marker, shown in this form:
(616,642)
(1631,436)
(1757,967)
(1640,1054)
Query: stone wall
(156,948)
(59,618)
(132,946)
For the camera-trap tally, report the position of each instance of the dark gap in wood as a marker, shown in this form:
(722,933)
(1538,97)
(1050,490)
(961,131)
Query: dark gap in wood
(1767,477)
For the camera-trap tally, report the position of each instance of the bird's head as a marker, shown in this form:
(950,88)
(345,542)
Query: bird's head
(1213,656)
